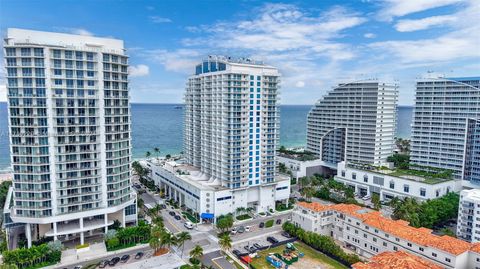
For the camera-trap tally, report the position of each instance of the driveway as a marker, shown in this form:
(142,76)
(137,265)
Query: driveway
(217,260)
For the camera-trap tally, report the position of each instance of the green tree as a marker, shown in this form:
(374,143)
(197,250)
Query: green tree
(148,154)
(196,252)
(182,238)
(376,201)
(157,152)
(225,223)
(225,242)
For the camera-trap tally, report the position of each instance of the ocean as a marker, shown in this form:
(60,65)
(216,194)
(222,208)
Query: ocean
(160,125)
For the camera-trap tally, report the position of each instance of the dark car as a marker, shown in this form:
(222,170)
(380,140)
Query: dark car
(237,253)
(258,246)
(252,249)
(287,235)
(177,217)
(103,264)
(261,225)
(171,213)
(247,248)
(139,255)
(164,206)
(125,258)
(241,229)
(272,239)
(114,261)
(279,221)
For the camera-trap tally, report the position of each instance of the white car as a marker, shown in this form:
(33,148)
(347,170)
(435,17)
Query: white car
(247,228)
(234,231)
(366,197)
(188,225)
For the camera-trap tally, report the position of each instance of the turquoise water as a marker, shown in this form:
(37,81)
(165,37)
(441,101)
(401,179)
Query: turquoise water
(160,125)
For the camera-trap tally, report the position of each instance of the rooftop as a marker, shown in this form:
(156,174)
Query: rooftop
(396,260)
(472,194)
(399,228)
(410,174)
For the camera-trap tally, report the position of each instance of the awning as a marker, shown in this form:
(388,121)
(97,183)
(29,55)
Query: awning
(207,216)
(246,259)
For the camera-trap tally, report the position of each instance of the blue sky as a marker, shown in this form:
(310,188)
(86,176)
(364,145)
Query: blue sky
(315,44)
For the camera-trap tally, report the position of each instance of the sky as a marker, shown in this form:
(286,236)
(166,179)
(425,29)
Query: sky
(314,44)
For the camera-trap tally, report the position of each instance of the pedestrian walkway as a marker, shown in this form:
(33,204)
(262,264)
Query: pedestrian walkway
(166,261)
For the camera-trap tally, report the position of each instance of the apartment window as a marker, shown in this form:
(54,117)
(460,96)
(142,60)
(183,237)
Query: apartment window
(409,244)
(395,248)
(406,188)
(421,249)
(10,51)
(448,260)
(434,254)
(354,176)
(25,51)
(423,192)
(392,185)
(384,244)
(56,54)
(343,173)
(365,178)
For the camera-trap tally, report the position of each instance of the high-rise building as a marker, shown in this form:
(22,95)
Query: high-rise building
(232,121)
(355,122)
(69,123)
(439,129)
(231,135)
(468,224)
(472,154)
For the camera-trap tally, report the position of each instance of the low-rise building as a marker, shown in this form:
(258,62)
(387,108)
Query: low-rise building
(468,224)
(368,233)
(188,186)
(389,183)
(301,167)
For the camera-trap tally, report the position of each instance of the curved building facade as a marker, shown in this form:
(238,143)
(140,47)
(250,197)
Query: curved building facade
(354,122)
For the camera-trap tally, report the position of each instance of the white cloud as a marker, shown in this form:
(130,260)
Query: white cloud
(80,31)
(3,93)
(158,19)
(300,84)
(369,35)
(425,23)
(139,70)
(399,8)
(180,60)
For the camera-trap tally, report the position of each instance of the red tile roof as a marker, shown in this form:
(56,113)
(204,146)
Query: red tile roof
(396,260)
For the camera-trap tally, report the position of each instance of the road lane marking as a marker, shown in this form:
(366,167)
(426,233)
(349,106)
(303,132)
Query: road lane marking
(216,263)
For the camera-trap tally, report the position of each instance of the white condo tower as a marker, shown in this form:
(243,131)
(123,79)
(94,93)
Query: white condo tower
(69,124)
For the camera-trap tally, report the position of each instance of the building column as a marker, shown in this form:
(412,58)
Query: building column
(165,190)
(82,239)
(28,233)
(105,219)
(55,238)
(176,195)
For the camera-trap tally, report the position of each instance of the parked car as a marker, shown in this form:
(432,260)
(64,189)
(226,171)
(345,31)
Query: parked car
(272,240)
(258,246)
(139,255)
(164,206)
(247,228)
(77,267)
(233,231)
(237,253)
(177,217)
(366,197)
(261,225)
(103,264)
(171,213)
(252,249)
(241,229)
(188,225)
(279,221)
(125,258)
(287,235)
(247,248)
(114,261)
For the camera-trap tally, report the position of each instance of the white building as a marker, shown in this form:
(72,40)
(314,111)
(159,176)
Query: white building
(354,122)
(369,233)
(69,123)
(389,183)
(468,224)
(188,186)
(301,168)
(232,131)
(442,107)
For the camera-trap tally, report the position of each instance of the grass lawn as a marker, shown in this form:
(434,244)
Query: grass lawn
(312,258)
(191,218)
(243,217)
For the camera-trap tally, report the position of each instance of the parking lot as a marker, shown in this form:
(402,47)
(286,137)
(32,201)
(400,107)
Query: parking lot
(259,242)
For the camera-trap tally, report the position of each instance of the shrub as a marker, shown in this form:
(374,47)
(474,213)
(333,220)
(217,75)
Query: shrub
(82,246)
(243,217)
(322,243)
(269,223)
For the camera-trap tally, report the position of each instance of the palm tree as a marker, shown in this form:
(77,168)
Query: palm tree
(225,242)
(154,243)
(167,240)
(157,151)
(196,252)
(239,210)
(182,238)
(148,154)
